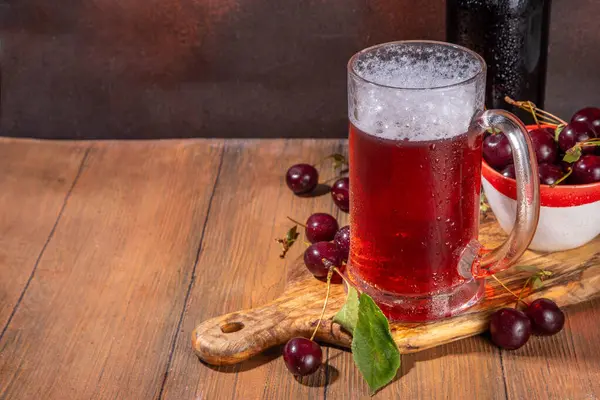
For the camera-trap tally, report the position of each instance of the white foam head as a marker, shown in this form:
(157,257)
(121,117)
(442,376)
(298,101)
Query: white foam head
(415,90)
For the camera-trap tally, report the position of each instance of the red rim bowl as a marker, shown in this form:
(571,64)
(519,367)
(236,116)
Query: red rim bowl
(558,196)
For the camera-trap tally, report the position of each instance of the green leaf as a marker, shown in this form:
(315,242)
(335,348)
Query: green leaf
(558,130)
(545,272)
(536,282)
(288,241)
(573,154)
(374,351)
(528,268)
(347,317)
(338,160)
(292,235)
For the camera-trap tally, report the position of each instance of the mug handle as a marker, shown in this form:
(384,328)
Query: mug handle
(478,262)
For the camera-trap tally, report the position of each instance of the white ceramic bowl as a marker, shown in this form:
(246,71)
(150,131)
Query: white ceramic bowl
(569,214)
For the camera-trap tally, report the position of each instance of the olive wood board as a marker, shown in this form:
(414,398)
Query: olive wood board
(235,337)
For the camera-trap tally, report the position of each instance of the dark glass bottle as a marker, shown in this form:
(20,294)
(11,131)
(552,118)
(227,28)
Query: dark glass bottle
(512,37)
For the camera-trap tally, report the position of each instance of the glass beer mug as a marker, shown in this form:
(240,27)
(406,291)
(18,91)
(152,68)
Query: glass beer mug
(415,146)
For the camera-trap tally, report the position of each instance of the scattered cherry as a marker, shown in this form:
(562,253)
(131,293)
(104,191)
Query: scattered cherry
(546,318)
(302,178)
(586,170)
(497,151)
(575,132)
(321,227)
(591,115)
(314,255)
(342,241)
(549,174)
(510,328)
(509,171)
(302,356)
(544,145)
(340,192)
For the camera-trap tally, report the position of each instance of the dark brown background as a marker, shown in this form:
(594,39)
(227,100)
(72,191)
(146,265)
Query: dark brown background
(229,68)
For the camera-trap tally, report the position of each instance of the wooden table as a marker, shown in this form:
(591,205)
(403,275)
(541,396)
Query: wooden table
(112,252)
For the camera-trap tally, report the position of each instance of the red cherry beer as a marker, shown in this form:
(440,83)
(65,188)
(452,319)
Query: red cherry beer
(416,130)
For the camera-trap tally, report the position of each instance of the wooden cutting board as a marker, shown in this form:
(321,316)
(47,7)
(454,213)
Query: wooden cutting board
(235,337)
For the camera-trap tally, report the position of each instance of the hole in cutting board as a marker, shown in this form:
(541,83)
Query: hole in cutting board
(231,327)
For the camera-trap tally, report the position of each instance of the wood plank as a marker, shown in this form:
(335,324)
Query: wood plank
(564,366)
(35,179)
(240,268)
(103,308)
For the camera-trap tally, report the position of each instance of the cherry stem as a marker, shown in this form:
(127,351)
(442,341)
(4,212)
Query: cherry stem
(342,275)
(565,176)
(590,143)
(532,110)
(329,275)
(296,222)
(509,291)
(547,115)
(521,292)
(535,111)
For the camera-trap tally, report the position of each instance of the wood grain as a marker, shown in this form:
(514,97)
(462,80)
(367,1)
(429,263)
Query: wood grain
(243,268)
(35,179)
(102,310)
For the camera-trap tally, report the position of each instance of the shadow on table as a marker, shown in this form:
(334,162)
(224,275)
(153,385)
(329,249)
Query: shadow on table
(320,190)
(265,357)
(331,373)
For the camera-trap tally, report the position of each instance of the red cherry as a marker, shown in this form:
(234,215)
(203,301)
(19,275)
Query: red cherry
(342,241)
(497,151)
(510,328)
(302,356)
(544,145)
(549,174)
(340,192)
(302,178)
(509,171)
(586,170)
(545,316)
(316,252)
(591,115)
(321,227)
(575,132)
